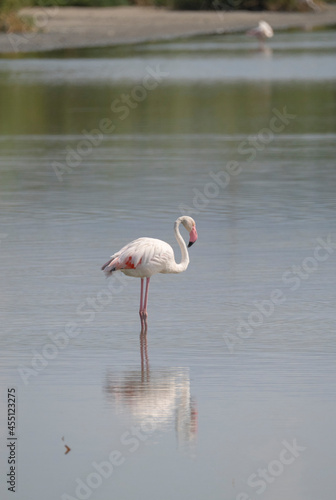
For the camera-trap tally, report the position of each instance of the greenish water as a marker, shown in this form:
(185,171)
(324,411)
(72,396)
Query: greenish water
(99,147)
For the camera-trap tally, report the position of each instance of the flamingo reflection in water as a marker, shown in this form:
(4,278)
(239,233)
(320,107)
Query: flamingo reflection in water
(155,397)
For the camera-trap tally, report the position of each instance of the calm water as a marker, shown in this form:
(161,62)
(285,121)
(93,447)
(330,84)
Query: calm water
(238,371)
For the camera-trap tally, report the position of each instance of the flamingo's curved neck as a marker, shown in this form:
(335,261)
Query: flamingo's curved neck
(182,266)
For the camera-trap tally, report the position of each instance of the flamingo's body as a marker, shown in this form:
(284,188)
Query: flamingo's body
(144,257)
(261,32)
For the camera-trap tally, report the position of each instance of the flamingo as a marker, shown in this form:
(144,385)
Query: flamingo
(144,257)
(261,32)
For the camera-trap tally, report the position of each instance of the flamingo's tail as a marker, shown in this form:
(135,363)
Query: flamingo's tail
(108,267)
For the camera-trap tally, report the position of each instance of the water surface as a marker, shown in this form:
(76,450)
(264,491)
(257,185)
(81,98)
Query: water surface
(226,378)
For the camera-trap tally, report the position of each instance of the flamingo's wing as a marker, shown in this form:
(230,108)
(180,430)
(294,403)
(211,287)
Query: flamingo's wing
(150,253)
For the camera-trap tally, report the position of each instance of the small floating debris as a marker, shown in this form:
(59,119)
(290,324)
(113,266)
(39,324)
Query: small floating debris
(67,447)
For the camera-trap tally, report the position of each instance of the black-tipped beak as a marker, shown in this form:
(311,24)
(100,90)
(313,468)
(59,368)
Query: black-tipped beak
(192,236)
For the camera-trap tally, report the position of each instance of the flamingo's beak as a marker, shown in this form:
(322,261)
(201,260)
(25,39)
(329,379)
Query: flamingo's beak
(192,236)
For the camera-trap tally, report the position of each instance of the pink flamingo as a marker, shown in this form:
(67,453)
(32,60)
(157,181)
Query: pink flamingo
(261,32)
(144,257)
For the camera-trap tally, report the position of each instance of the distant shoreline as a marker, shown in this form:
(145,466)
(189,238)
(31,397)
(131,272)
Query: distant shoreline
(74,27)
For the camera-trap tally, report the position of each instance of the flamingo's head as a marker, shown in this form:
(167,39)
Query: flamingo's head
(190,226)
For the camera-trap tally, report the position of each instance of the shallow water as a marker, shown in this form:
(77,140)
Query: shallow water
(227,379)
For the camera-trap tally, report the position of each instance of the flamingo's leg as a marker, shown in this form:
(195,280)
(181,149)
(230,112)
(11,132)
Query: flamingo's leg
(141,297)
(261,43)
(146,298)
(143,306)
